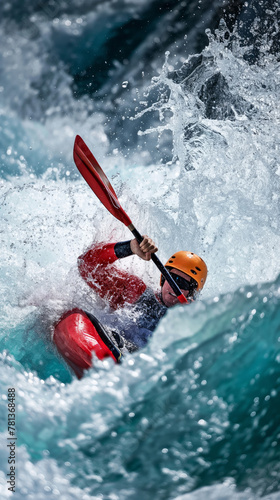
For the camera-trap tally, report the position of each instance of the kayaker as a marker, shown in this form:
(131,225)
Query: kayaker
(120,289)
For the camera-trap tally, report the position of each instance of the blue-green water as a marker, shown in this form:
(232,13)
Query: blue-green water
(194,157)
(198,406)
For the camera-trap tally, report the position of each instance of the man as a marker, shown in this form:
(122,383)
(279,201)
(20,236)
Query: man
(144,308)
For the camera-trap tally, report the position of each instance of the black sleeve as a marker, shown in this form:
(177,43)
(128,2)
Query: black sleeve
(122,249)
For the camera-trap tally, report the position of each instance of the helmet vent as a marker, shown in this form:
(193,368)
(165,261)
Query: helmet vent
(170,262)
(198,269)
(193,271)
(173,257)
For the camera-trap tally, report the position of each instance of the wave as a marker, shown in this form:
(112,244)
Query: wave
(202,396)
(195,413)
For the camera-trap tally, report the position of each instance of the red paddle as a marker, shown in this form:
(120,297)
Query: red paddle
(100,185)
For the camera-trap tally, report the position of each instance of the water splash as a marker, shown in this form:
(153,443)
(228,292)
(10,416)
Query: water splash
(203,394)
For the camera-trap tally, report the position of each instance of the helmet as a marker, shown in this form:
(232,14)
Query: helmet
(189,263)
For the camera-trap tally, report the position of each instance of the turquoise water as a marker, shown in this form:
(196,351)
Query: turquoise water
(194,157)
(198,406)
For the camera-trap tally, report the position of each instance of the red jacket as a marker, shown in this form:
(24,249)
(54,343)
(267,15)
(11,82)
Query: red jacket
(116,286)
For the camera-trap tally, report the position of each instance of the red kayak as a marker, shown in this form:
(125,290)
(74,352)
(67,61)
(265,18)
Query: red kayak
(78,335)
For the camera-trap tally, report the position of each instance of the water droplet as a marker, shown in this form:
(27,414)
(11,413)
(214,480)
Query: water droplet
(202,422)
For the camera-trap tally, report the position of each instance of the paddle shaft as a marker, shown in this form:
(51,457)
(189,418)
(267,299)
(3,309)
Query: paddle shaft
(160,266)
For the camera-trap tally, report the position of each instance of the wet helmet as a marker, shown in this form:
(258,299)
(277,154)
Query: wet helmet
(190,264)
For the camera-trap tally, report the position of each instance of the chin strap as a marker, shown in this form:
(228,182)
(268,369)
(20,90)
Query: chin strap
(160,299)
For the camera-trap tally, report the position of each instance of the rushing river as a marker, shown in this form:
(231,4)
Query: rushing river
(186,126)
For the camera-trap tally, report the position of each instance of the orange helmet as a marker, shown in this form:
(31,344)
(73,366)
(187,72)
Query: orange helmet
(190,264)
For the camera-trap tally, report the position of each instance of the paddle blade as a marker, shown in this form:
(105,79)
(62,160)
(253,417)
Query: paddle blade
(97,180)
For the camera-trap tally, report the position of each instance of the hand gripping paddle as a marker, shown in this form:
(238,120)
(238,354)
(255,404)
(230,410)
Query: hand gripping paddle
(100,185)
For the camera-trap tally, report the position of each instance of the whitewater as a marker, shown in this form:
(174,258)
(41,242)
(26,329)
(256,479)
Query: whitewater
(191,146)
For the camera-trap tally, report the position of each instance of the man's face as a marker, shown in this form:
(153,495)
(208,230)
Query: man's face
(168,296)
